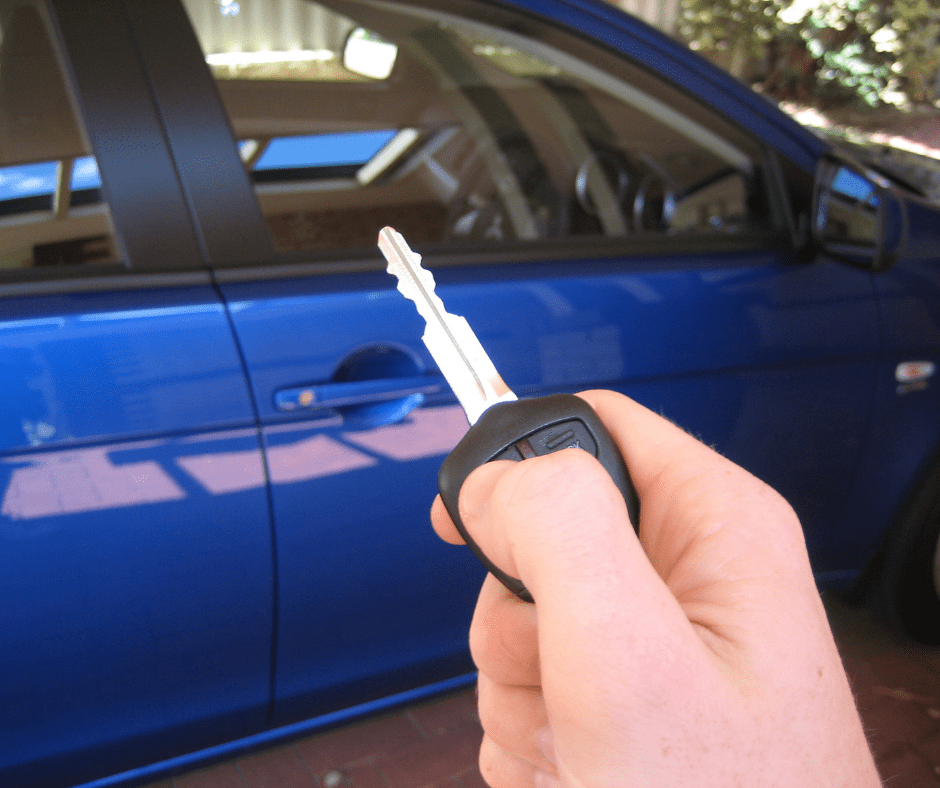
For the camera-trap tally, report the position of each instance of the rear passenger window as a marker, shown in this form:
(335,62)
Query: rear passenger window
(352,115)
(52,212)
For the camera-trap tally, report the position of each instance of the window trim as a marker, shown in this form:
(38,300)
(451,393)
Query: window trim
(153,226)
(217,189)
(523,254)
(97,279)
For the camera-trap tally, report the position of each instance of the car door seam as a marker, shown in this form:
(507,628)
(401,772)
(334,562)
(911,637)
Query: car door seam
(275,583)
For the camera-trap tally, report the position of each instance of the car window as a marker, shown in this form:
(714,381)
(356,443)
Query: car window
(351,115)
(52,211)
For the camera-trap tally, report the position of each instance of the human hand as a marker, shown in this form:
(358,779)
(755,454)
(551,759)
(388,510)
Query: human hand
(697,654)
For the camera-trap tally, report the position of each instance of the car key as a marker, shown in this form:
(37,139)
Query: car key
(501,425)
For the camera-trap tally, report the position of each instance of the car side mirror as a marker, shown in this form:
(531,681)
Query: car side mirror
(857,218)
(369,55)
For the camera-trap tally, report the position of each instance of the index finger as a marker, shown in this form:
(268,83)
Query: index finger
(442,524)
(675,473)
(650,444)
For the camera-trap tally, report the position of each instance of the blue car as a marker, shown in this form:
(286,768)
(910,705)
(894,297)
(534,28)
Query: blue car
(220,430)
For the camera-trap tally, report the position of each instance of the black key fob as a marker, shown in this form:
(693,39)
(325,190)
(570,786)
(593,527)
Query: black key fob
(529,428)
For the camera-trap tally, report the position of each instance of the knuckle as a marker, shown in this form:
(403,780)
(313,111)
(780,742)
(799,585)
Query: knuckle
(504,637)
(490,762)
(487,709)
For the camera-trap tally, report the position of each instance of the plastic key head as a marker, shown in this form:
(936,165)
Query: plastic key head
(529,428)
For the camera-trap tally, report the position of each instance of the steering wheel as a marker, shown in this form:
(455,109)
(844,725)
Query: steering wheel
(477,210)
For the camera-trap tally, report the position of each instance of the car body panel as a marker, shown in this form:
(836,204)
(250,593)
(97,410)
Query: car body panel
(196,547)
(87,366)
(359,571)
(137,565)
(628,325)
(902,440)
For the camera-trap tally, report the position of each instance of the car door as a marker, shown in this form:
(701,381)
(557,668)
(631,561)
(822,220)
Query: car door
(135,550)
(605,213)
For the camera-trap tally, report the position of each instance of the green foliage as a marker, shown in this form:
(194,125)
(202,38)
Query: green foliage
(841,35)
(864,51)
(725,24)
(915,47)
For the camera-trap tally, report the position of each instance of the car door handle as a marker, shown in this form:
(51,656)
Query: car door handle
(358,392)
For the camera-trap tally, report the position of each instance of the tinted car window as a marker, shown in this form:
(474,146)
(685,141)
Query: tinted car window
(453,131)
(52,212)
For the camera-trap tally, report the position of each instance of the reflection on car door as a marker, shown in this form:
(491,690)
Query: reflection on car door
(135,535)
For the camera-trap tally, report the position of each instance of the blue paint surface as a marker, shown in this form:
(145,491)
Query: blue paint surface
(186,561)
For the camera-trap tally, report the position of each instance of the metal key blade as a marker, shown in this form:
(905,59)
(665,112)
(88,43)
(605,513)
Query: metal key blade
(449,338)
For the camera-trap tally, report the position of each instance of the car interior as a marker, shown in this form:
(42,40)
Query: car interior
(51,209)
(449,129)
(497,137)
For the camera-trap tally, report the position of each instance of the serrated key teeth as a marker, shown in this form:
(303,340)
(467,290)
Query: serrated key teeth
(414,281)
(449,338)
(394,246)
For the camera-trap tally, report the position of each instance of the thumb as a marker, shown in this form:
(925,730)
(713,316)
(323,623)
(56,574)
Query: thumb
(559,524)
(606,621)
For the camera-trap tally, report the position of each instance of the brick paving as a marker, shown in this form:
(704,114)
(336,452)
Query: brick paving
(434,744)
(897,687)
